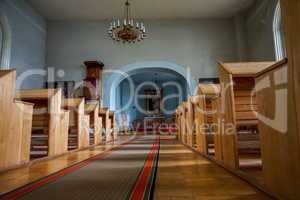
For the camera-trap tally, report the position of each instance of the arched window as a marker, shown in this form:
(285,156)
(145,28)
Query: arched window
(5,42)
(280,51)
(1,43)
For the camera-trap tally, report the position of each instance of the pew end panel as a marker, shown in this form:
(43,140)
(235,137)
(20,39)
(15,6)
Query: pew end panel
(217,121)
(190,121)
(15,124)
(92,109)
(77,135)
(64,130)
(46,124)
(280,144)
(198,102)
(209,93)
(104,114)
(114,131)
(179,122)
(184,123)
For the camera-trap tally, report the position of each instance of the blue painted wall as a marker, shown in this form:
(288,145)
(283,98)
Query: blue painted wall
(28,39)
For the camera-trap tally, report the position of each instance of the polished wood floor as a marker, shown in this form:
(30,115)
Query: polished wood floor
(182,174)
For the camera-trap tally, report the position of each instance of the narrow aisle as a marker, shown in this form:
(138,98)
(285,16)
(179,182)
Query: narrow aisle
(182,174)
(125,173)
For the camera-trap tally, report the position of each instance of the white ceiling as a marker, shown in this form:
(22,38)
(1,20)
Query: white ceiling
(144,9)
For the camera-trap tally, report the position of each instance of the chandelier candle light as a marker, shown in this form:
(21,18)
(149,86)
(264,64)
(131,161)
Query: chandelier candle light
(127,30)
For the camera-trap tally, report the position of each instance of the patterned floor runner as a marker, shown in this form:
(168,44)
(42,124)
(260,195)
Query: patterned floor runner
(124,173)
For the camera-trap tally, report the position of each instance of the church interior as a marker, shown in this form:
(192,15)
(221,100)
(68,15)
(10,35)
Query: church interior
(139,99)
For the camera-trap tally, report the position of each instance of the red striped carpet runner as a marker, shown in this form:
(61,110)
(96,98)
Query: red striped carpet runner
(125,172)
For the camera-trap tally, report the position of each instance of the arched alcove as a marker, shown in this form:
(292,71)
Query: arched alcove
(279,45)
(5,42)
(112,78)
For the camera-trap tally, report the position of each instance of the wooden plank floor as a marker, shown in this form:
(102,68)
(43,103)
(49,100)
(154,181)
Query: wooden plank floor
(14,179)
(182,174)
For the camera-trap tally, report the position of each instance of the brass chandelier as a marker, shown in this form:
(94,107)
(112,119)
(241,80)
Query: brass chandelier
(127,30)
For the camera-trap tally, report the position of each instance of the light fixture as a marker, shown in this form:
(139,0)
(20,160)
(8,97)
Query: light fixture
(127,30)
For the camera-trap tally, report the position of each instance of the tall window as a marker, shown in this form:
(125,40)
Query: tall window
(1,45)
(5,42)
(280,51)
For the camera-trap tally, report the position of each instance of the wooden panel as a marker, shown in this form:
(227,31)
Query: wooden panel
(84,139)
(99,138)
(229,140)
(200,123)
(183,123)
(55,104)
(114,131)
(291,182)
(217,121)
(104,114)
(108,134)
(64,131)
(26,111)
(77,122)
(92,109)
(280,150)
(15,124)
(206,93)
(190,123)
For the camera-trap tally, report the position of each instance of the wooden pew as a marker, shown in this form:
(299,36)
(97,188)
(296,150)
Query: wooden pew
(178,122)
(106,124)
(208,142)
(78,135)
(280,148)
(190,123)
(48,137)
(15,124)
(240,133)
(217,119)
(92,109)
(114,131)
(183,124)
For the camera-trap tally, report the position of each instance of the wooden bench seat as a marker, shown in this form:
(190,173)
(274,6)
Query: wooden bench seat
(48,135)
(79,124)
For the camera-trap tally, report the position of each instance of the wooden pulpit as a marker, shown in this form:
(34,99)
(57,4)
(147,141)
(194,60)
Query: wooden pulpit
(93,80)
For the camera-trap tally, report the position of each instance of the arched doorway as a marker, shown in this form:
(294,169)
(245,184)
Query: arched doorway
(112,78)
(173,82)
